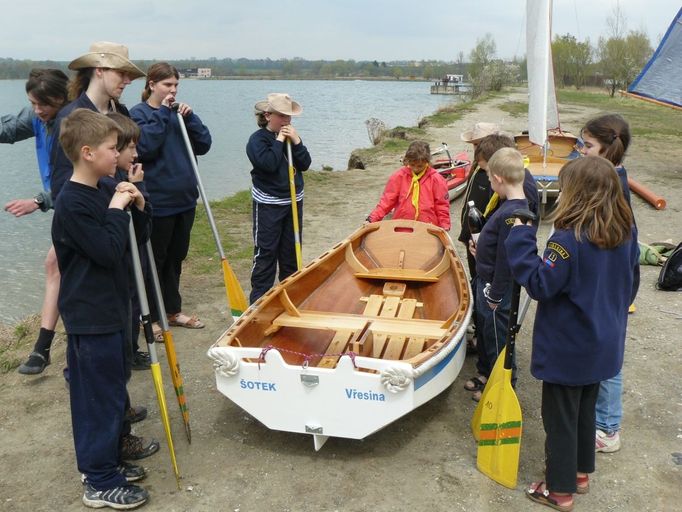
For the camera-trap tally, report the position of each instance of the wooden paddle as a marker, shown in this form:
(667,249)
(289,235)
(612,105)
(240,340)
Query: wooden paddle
(294,208)
(236,299)
(501,421)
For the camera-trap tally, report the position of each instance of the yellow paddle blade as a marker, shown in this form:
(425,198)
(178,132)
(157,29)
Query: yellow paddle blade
(178,384)
(235,292)
(495,377)
(163,409)
(499,436)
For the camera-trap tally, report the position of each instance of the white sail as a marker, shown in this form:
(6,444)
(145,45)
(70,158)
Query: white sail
(542,107)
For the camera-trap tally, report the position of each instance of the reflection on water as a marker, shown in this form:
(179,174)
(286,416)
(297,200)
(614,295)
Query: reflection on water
(332,125)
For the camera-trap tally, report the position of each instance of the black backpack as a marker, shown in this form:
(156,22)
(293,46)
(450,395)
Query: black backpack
(670,278)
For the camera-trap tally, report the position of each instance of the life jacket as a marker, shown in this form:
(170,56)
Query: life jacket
(670,278)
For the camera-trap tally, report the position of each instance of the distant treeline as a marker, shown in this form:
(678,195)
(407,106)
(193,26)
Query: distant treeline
(269,68)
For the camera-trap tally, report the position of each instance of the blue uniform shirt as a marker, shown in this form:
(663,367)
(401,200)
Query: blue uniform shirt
(583,294)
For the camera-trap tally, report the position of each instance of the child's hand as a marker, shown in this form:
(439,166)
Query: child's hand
(290,133)
(472,248)
(135,173)
(184,109)
(121,200)
(168,100)
(133,192)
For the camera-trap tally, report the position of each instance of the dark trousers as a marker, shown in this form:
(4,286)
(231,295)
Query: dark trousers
(568,417)
(170,243)
(273,245)
(491,330)
(97,389)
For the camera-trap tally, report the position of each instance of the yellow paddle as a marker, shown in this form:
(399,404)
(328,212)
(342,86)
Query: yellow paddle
(176,377)
(294,208)
(501,421)
(499,432)
(236,299)
(149,337)
(497,374)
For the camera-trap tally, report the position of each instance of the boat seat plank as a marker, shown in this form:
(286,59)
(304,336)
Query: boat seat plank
(374,303)
(397,274)
(394,348)
(414,346)
(336,346)
(341,321)
(390,309)
(407,308)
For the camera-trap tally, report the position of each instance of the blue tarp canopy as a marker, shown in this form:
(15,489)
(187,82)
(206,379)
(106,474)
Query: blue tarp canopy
(661,78)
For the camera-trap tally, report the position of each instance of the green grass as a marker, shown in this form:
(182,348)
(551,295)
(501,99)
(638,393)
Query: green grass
(450,113)
(15,342)
(646,119)
(515,108)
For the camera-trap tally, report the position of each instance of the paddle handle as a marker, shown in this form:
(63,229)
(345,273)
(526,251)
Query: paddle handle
(294,208)
(200,185)
(513,325)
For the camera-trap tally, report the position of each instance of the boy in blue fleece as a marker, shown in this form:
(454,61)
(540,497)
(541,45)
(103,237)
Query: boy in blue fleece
(90,236)
(583,284)
(493,284)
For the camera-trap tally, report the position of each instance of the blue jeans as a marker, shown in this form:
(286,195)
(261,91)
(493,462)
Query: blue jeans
(609,409)
(491,334)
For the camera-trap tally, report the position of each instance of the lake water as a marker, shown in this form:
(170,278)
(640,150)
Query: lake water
(331,126)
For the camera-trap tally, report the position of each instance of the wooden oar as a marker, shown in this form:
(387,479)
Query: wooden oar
(294,208)
(499,432)
(172,357)
(236,299)
(149,337)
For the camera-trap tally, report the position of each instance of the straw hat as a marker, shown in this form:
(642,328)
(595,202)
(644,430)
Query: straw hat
(479,131)
(104,54)
(279,102)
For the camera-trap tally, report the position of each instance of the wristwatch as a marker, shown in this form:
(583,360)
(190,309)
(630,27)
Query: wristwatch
(43,200)
(39,200)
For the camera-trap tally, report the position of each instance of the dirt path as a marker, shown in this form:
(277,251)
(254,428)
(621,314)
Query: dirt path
(426,460)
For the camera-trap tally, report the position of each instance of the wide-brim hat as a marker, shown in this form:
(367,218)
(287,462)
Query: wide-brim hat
(279,102)
(104,54)
(479,131)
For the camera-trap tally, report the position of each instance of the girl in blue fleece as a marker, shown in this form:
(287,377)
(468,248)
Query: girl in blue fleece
(583,285)
(170,181)
(608,135)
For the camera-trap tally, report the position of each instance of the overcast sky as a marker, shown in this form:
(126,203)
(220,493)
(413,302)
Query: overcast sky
(311,29)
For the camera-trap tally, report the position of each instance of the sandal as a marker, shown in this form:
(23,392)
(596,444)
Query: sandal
(182,320)
(548,498)
(477,395)
(582,484)
(476,383)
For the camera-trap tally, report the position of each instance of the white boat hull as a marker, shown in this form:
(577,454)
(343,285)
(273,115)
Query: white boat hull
(339,402)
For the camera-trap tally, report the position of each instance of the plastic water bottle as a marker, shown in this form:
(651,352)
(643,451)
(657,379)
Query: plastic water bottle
(475,221)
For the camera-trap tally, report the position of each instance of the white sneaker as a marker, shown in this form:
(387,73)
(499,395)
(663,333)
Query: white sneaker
(606,443)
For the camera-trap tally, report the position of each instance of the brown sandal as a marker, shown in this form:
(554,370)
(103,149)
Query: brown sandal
(158,332)
(548,498)
(182,320)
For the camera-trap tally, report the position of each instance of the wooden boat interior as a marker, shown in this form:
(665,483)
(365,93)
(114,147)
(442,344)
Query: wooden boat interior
(393,290)
(560,145)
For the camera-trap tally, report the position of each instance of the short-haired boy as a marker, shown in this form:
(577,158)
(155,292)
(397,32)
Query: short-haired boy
(90,235)
(493,284)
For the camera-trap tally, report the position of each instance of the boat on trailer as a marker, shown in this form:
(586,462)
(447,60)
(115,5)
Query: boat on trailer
(362,335)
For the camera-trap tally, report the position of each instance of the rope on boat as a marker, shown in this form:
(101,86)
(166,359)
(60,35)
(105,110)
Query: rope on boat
(306,357)
(224,363)
(395,379)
